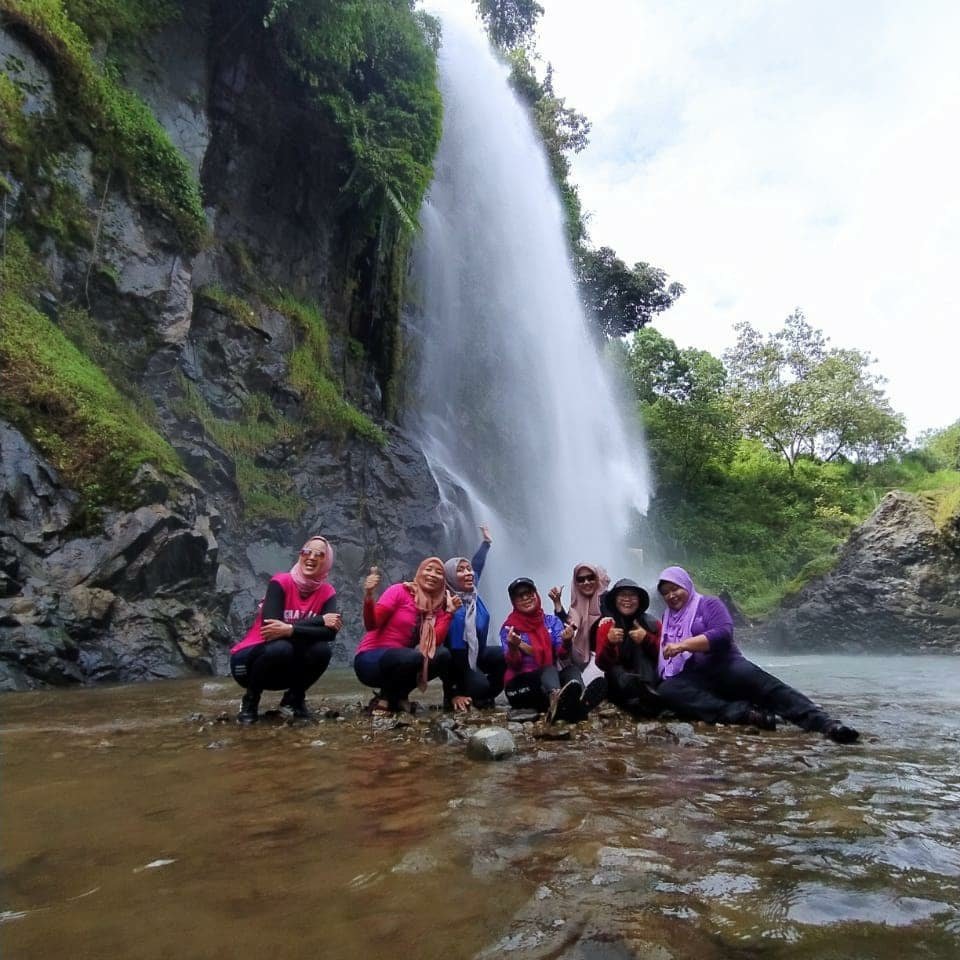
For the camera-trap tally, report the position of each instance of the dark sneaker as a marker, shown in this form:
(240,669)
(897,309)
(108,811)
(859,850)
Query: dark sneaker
(762,719)
(249,707)
(593,694)
(840,733)
(294,703)
(565,703)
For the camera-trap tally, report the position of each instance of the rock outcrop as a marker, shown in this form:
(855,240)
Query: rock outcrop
(162,589)
(895,589)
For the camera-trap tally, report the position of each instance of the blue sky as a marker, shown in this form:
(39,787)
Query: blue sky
(780,154)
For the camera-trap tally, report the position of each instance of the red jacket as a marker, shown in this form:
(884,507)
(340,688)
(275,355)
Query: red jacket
(619,654)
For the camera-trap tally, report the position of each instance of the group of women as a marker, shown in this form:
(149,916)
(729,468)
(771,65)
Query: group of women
(563,663)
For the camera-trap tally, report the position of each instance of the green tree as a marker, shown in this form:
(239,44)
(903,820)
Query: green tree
(623,299)
(509,23)
(800,396)
(943,446)
(691,425)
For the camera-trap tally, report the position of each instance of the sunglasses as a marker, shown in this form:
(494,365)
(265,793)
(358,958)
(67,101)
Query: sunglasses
(586,578)
(305,553)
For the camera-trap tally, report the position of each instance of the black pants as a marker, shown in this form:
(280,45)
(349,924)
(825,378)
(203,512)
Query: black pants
(281,665)
(396,670)
(726,693)
(531,691)
(481,685)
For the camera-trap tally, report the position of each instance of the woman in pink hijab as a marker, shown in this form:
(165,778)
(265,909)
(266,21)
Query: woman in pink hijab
(288,646)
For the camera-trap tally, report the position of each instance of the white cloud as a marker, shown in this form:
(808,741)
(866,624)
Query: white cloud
(771,155)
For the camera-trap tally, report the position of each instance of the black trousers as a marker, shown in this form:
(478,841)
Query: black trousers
(531,690)
(281,665)
(482,684)
(727,692)
(396,670)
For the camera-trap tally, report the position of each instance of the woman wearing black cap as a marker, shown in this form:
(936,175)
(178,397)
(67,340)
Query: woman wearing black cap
(532,641)
(628,643)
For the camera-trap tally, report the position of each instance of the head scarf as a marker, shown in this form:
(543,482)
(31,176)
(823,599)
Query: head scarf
(584,610)
(534,626)
(469,598)
(427,606)
(309,584)
(678,625)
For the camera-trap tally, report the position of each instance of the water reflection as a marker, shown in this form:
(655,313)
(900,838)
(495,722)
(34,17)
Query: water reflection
(139,827)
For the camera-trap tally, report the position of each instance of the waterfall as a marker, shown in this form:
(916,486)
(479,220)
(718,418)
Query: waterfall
(512,404)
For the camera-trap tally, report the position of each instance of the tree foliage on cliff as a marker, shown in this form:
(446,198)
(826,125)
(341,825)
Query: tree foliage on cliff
(509,23)
(800,396)
(371,64)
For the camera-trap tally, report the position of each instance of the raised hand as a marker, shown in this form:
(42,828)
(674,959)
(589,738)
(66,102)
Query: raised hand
(485,533)
(615,635)
(371,581)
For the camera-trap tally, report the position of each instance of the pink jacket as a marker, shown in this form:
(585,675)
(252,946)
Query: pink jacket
(392,621)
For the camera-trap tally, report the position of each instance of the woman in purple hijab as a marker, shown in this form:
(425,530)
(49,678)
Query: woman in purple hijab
(706,677)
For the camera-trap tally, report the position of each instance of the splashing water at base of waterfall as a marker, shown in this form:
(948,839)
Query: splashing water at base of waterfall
(513,403)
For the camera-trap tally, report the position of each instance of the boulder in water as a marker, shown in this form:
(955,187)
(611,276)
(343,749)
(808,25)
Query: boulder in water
(491,743)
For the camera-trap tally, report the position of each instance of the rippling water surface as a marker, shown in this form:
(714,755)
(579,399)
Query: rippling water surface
(134,828)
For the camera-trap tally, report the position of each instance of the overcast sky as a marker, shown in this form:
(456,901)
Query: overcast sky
(774,154)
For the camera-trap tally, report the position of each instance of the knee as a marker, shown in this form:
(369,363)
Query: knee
(319,654)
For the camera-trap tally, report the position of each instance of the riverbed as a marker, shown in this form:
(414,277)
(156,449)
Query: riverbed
(142,822)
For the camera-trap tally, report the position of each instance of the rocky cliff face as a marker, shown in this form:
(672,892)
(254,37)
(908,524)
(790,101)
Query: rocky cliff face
(207,341)
(895,589)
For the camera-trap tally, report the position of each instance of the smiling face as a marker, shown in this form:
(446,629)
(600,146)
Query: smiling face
(525,600)
(313,558)
(465,578)
(627,602)
(430,576)
(673,594)
(586,581)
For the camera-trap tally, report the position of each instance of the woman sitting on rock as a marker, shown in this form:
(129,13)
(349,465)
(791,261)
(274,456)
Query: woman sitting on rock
(403,646)
(533,642)
(706,677)
(477,670)
(628,648)
(288,646)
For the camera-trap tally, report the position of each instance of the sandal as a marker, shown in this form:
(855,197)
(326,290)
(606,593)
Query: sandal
(378,706)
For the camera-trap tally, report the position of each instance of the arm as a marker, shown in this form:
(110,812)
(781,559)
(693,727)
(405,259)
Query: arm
(717,634)
(606,651)
(324,626)
(377,613)
(479,559)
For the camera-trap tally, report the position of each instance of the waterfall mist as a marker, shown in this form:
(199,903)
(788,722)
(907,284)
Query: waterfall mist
(512,403)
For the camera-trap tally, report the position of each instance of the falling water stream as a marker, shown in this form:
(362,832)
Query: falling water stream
(514,405)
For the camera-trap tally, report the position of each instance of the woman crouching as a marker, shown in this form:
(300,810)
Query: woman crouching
(288,646)
(402,647)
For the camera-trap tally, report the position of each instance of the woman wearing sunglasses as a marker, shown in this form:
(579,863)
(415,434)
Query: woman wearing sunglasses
(288,646)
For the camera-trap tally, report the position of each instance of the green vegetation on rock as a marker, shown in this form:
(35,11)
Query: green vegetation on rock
(120,129)
(62,401)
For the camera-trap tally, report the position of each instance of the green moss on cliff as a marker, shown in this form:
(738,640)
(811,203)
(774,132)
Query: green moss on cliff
(119,127)
(62,401)
(372,66)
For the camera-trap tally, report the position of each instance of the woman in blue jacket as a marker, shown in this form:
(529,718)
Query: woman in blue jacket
(477,674)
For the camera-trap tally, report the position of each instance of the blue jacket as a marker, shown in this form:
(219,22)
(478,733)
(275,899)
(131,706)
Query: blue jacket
(455,640)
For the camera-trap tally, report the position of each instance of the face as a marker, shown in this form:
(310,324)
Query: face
(465,575)
(313,556)
(674,595)
(525,601)
(431,576)
(627,602)
(587,582)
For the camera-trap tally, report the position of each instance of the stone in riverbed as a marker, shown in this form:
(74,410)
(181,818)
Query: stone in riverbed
(491,743)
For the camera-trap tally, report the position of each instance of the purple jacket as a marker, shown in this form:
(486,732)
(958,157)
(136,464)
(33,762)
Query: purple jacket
(713,620)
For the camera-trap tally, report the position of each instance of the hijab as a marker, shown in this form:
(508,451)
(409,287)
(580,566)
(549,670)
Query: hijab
(469,598)
(678,624)
(584,610)
(534,626)
(308,585)
(427,604)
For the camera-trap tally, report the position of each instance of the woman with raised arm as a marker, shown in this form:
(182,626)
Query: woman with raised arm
(476,676)
(706,677)
(288,646)
(628,647)
(403,646)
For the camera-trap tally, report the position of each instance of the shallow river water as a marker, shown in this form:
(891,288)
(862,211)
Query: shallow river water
(135,825)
